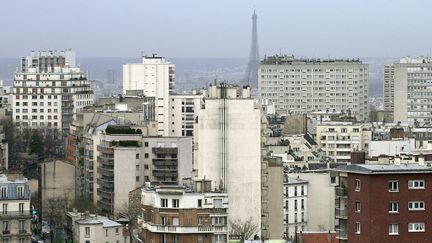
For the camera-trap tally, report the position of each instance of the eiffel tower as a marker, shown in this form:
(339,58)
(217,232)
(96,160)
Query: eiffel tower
(251,76)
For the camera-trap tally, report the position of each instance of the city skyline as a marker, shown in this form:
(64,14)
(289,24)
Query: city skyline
(189,29)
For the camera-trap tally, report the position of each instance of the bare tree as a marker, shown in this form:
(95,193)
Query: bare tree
(246,230)
(55,210)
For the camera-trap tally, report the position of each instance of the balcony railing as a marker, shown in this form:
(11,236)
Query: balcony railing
(341,192)
(15,214)
(184,229)
(341,213)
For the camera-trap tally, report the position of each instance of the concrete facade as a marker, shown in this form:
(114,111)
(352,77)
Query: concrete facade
(155,78)
(227,143)
(299,86)
(412,77)
(49,93)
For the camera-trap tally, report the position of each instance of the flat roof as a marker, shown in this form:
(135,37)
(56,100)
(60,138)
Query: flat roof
(403,168)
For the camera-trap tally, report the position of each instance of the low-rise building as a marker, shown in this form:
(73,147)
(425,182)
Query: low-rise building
(339,139)
(15,205)
(179,214)
(90,228)
(295,206)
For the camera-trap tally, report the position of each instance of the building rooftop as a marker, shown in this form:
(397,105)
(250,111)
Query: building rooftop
(291,60)
(96,219)
(292,180)
(403,168)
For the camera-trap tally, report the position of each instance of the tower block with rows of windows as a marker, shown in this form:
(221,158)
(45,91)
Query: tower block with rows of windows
(49,88)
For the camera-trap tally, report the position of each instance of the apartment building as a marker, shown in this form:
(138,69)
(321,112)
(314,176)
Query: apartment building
(48,90)
(298,86)
(413,78)
(183,112)
(126,160)
(383,203)
(91,228)
(388,87)
(153,77)
(339,139)
(227,148)
(15,209)
(295,206)
(179,214)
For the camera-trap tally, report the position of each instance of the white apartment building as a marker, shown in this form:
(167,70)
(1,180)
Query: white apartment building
(183,112)
(298,86)
(227,148)
(338,139)
(413,79)
(48,90)
(295,206)
(91,228)
(154,77)
(15,209)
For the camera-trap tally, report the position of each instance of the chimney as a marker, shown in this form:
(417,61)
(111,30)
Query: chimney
(358,157)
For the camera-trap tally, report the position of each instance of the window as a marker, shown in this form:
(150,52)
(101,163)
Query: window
(163,238)
(117,231)
(393,207)
(21,207)
(357,185)
(4,192)
(163,220)
(87,232)
(295,204)
(5,208)
(302,190)
(21,225)
(146,155)
(357,206)
(302,204)
(393,229)
(416,205)
(393,186)
(137,178)
(5,226)
(199,203)
(136,156)
(416,227)
(175,203)
(416,184)
(357,227)
(164,203)
(146,144)
(217,203)
(175,221)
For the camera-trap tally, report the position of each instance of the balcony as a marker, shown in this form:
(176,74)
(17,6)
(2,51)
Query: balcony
(341,213)
(165,150)
(15,215)
(165,173)
(105,161)
(105,172)
(104,149)
(165,162)
(341,192)
(154,228)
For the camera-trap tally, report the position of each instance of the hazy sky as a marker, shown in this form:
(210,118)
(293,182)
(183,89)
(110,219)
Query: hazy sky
(217,28)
